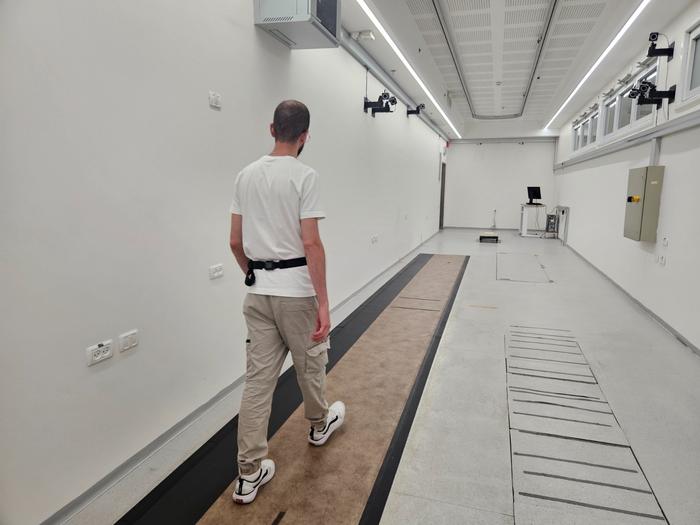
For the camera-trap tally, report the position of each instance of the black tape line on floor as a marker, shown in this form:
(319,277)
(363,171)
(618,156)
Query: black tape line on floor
(385,478)
(188,492)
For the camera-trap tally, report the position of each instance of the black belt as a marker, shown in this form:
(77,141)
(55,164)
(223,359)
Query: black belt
(270,265)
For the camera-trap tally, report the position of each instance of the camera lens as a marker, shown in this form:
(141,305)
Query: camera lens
(653,37)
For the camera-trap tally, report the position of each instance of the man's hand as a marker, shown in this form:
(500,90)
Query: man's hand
(323,324)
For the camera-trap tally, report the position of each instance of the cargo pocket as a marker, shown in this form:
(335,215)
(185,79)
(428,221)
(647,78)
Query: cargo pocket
(317,358)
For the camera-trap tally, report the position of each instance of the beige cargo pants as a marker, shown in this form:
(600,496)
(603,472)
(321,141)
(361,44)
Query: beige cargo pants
(277,325)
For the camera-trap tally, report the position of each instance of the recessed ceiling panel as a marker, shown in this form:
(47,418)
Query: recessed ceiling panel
(497,43)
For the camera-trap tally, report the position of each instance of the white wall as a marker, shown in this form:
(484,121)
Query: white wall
(596,191)
(484,177)
(115,185)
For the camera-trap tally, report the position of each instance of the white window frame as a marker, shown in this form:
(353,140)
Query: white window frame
(577,131)
(635,123)
(691,34)
(591,127)
(606,108)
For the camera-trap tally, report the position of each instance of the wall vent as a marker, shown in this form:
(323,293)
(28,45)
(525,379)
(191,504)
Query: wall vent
(312,24)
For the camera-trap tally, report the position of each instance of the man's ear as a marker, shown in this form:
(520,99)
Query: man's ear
(303,137)
(272,131)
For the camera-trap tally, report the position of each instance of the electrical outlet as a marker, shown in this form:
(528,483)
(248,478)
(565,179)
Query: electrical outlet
(128,340)
(99,352)
(214,100)
(216,271)
(374,239)
(662,260)
(665,239)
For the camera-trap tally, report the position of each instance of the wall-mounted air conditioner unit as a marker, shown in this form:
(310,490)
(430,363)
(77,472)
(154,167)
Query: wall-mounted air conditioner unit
(300,24)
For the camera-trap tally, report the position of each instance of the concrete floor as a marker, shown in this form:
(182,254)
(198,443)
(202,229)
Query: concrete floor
(457,466)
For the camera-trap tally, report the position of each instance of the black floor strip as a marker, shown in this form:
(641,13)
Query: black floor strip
(548,360)
(385,478)
(563,419)
(572,438)
(542,343)
(554,378)
(419,298)
(564,406)
(549,371)
(586,481)
(416,308)
(540,328)
(591,506)
(545,350)
(577,462)
(558,396)
(186,494)
(553,392)
(553,337)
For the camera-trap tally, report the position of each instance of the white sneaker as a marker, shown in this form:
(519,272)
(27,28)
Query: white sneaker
(247,486)
(334,420)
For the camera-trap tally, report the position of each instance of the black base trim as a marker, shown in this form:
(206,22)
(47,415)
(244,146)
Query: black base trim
(382,485)
(186,494)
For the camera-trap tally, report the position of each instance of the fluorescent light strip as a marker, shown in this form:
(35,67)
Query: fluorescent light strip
(619,35)
(399,54)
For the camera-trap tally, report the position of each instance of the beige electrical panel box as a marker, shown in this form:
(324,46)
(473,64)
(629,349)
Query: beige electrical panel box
(643,203)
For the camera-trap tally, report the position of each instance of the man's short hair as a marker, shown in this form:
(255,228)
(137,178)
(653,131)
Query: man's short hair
(290,121)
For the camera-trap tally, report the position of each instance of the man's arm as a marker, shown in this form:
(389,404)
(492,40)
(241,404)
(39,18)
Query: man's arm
(236,241)
(316,260)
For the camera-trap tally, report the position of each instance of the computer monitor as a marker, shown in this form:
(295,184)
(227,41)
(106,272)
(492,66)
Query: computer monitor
(533,192)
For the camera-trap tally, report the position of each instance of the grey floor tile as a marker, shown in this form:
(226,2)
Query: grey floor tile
(403,509)
(649,379)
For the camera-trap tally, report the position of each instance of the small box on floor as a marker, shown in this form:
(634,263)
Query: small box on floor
(488,237)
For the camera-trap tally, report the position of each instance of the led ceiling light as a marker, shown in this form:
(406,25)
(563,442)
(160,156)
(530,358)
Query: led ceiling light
(615,40)
(405,62)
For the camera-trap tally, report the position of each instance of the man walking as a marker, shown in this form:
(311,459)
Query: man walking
(276,242)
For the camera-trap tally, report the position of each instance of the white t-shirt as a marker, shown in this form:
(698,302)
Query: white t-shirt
(272,195)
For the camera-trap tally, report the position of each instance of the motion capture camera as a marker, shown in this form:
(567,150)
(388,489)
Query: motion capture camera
(419,108)
(634,93)
(648,94)
(659,52)
(382,105)
(645,87)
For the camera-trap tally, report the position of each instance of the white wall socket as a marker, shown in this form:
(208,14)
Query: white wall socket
(374,239)
(214,100)
(99,352)
(665,240)
(216,271)
(128,340)
(662,260)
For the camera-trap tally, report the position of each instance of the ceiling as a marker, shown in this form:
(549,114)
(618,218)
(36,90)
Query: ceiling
(518,59)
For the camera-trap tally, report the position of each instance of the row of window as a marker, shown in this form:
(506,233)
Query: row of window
(619,111)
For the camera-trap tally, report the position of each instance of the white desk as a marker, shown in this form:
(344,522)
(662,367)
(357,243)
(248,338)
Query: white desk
(524,216)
